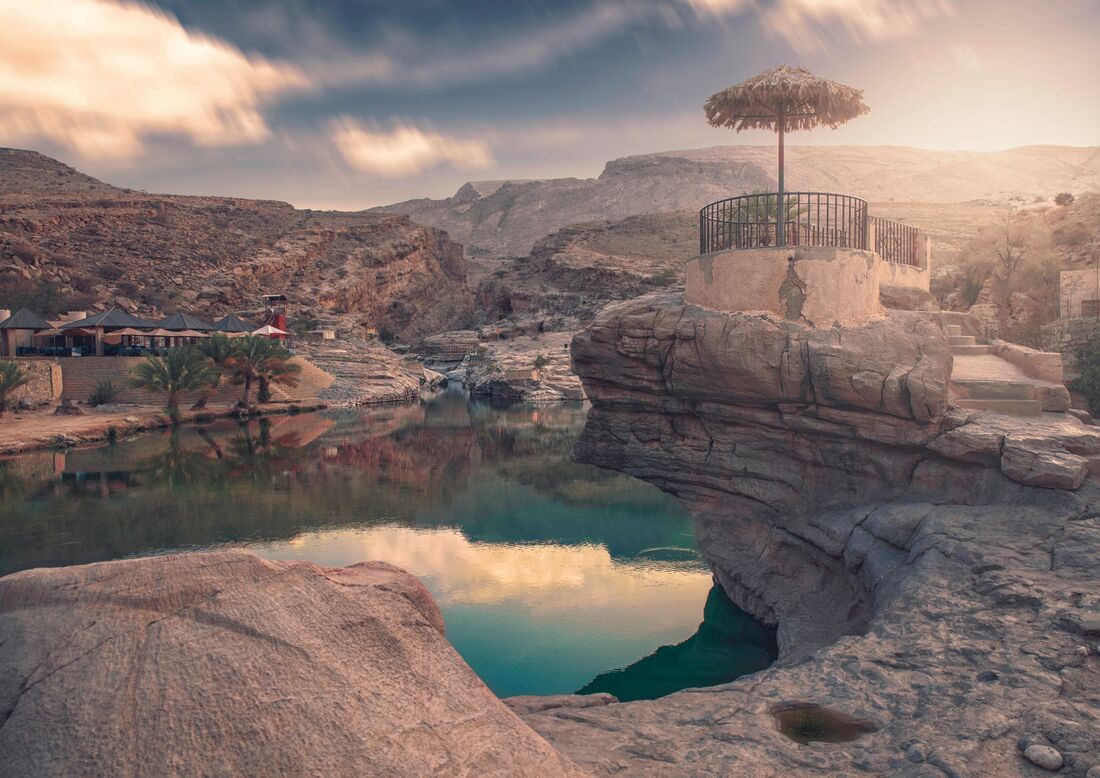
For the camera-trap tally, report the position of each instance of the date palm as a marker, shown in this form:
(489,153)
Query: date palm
(12,376)
(261,360)
(179,371)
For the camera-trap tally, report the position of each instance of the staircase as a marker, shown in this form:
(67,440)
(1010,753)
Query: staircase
(983,380)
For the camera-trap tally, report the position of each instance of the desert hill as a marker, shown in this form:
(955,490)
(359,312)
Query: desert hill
(508,218)
(70,241)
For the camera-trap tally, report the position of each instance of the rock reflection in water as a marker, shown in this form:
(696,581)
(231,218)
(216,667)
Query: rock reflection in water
(547,572)
(727,645)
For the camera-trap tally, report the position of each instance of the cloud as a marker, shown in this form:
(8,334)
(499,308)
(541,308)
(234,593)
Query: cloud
(808,25)
(405,149)
(99,76)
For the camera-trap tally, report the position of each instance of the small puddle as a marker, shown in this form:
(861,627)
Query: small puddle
(806,722)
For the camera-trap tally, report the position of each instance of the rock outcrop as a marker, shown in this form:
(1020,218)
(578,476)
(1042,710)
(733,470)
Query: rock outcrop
(224,664)
(934,574)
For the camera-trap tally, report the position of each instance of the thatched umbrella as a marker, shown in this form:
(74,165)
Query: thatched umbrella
(781,99)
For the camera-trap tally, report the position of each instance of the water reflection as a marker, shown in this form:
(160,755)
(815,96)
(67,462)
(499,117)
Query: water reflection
(548,572)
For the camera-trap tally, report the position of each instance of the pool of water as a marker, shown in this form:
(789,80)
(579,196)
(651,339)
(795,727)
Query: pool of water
(552,576)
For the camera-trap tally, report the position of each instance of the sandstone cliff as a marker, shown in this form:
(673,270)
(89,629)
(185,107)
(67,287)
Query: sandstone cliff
(84,243)
(938,608)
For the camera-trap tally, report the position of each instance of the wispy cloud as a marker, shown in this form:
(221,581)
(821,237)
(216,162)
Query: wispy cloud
(812,25)
(404,149)
(99,77)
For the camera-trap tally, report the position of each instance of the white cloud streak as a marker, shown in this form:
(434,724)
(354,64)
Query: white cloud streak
(98,77)
(404,149)
(810,26)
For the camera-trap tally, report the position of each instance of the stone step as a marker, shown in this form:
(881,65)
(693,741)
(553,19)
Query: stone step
(953,330)
(961,340)
(1009,407)
(979,389)
(971,351)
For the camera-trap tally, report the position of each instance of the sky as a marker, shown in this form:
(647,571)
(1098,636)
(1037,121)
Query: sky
(353,103)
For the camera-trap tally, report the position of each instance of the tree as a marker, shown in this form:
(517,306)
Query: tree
(1087,358)
(12,376)
(256,359)
(179,371)
(1063,199)
(218,349)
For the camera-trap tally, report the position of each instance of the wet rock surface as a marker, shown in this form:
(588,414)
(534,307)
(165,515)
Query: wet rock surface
(225,664)
(933,573)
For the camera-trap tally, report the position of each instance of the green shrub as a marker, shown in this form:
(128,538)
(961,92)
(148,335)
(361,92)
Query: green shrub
(666,277)
(105,393)
(541,361)
(1087,382)
(12,376)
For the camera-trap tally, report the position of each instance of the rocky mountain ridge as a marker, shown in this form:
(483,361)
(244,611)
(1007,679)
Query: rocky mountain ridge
(507,218)
(87,244)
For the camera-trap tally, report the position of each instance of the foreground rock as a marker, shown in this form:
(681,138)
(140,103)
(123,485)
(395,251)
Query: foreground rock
(934,602)
(224,664)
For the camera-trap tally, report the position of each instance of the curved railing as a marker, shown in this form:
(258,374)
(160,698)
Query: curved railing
(791,219)
(807,219)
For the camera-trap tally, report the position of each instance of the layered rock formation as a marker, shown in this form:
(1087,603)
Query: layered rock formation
(85,243)
(936,607)
(224,664)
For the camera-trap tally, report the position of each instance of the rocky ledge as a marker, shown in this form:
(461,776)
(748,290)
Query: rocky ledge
(225,664)
(934,574)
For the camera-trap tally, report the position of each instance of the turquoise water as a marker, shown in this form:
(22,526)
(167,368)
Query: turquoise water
(552,576)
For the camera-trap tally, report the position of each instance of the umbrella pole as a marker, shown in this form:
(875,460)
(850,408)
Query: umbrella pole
(780,210)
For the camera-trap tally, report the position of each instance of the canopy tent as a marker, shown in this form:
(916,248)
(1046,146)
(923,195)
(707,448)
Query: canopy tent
(189,334)
(24,319)
(230,323)
(184,321)
(270,332)
(18,329)
(781,99)
(113,318)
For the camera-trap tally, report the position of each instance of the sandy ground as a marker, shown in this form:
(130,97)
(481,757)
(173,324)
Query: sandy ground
(31,430)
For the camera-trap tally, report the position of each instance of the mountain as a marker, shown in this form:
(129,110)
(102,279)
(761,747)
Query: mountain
(70,241)
(507,218)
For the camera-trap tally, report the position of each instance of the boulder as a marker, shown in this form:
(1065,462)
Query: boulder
(225,664)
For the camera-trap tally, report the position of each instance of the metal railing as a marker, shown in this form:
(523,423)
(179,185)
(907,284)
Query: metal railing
(899,243)
(806,219)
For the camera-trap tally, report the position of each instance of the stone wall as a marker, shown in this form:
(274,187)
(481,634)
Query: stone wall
(813,284)
(45,385)
(1067,335)
(897,274)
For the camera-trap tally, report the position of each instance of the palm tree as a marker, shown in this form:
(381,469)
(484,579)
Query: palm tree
(262,360)
(12,376)
(218,349)
(180,370)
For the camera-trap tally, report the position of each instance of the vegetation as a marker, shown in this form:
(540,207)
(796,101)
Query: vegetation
(105,393)
(256,359)
(666,277)
(218,349)
(1087,382)
(179,371)
(12,376)
(1063,199)
(541,361)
